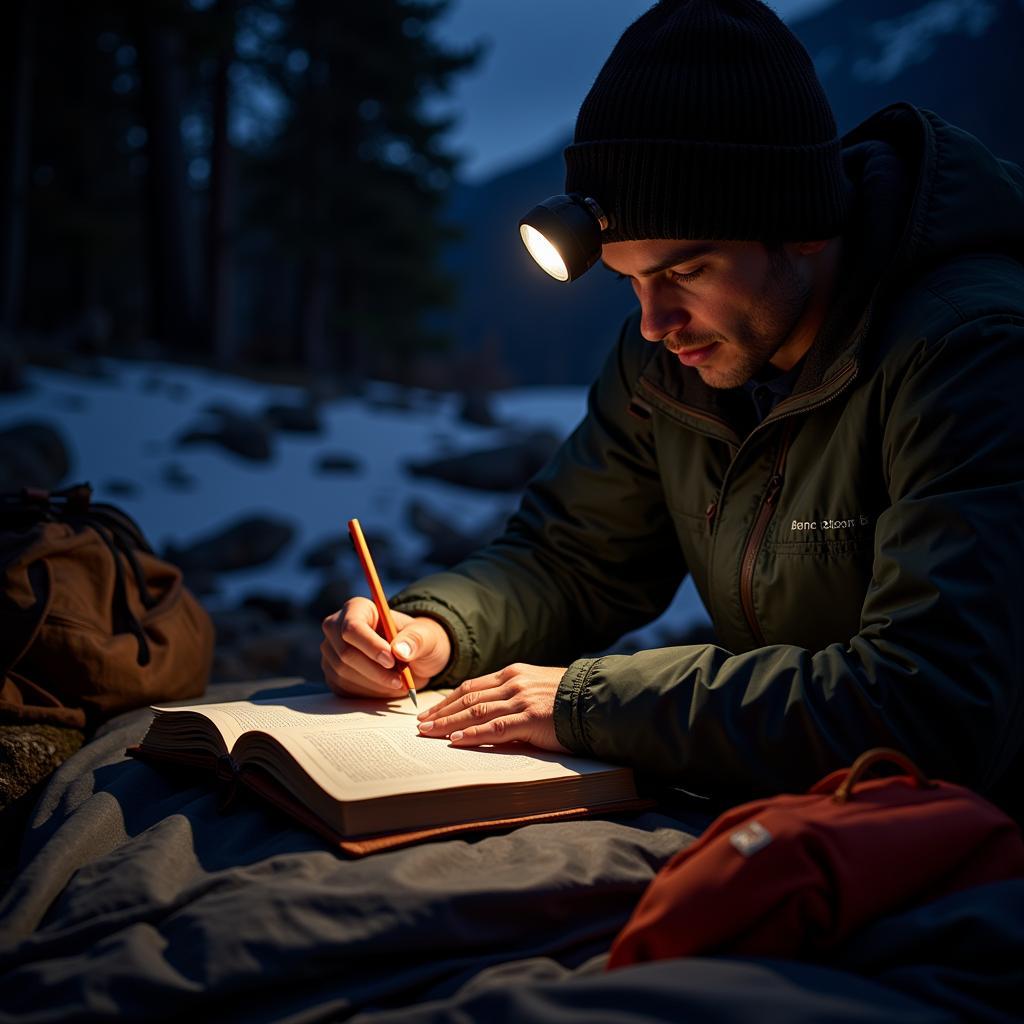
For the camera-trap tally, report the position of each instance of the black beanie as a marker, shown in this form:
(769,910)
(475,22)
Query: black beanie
(708,121)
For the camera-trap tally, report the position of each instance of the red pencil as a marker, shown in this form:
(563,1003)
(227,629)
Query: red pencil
(387,623)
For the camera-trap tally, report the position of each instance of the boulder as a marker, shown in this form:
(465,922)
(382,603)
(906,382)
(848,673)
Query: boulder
(399,400)
(325,553)
(234,626)
(330,596)
(32,454)
(29,753)
(253,540)
(247,436)
(202,582)
(449,545)
(476,409)
(276,608)
(121,488)
(177,477)
(286,649)
(295,419)
(337,462)
(505,468)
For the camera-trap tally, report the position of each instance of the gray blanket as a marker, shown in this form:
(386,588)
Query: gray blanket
(138,900)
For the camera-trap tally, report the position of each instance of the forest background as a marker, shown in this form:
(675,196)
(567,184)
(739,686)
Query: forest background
(271,186)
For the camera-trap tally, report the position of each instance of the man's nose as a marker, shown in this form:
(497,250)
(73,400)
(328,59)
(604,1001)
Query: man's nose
(661,312)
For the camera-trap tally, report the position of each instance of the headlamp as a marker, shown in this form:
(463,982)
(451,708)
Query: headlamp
(563,234)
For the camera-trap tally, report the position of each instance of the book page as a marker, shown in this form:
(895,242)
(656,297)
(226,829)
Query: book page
(312,711)
(388,757)
(362,749)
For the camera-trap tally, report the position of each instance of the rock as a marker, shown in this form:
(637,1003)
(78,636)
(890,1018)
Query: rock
(276,609)
(399,400)
(337,462)
(29,753)
(247,436)
(384,556)
(447,544)
(253,540)
(202,582)
(121,488)
(177,477)
(251,645)
(325,553)
(334,592)
(268,654)
(175,390)
(295,419)
(476,408)
(234,626)
(506,468)
(228,666)
(282,650)
(32,454)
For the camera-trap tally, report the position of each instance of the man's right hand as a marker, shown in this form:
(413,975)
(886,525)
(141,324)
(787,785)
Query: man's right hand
(358,662)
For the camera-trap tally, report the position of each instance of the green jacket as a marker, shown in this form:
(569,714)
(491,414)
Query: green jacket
(860,552)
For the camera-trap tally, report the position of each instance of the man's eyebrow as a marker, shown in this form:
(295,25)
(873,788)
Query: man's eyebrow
(683,255)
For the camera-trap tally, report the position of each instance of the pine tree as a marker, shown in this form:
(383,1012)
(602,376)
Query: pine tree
(352,187)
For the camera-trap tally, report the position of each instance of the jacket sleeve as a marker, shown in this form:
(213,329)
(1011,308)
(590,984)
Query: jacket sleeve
(572,572)
(935,668)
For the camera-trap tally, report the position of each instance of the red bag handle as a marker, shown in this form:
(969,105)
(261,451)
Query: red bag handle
(868,760)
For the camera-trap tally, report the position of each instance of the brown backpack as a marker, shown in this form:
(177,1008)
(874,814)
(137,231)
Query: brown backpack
(92,623)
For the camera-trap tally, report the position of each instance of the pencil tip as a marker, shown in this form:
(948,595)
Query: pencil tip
(415,702)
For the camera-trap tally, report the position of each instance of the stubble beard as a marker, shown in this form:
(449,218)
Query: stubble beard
(759,335)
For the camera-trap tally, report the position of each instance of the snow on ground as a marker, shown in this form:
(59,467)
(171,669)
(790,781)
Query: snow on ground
(123,426)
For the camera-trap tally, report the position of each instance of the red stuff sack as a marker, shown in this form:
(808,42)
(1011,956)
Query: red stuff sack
(795,875)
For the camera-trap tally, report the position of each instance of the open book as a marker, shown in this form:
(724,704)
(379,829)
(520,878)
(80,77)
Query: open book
(357,768)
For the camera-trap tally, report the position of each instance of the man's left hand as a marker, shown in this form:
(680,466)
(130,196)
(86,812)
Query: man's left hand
(514,705)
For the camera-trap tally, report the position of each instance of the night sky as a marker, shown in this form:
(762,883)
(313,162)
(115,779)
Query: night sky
(541,59)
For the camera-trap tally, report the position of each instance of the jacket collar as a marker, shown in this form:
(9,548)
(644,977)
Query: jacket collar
(889,163)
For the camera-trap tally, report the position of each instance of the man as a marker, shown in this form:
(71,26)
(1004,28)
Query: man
(815,412)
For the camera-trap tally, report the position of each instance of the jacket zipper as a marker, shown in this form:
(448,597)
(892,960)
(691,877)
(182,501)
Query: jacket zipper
(753,546)
(709,514)
(767,508)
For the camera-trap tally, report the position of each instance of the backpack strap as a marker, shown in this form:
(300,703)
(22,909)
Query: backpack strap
(21,510)
(121,595)
(20,624)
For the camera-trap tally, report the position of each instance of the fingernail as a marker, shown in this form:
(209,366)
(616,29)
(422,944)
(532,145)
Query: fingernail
(456,735)
(426,726)
(386,659)
(403,650)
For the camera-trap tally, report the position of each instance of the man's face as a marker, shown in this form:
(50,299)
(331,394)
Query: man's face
(725,308)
